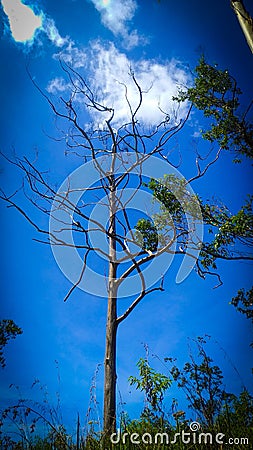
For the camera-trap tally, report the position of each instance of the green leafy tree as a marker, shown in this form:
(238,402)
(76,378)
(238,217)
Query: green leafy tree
(243,302)
(215,92)
(228,234)
(236,416)
(152,383)
(8,330)
(202,382)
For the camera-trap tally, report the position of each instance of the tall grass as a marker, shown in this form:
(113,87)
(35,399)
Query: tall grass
(224,420)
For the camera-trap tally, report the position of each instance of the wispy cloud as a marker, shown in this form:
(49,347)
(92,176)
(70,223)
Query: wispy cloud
(108,72)
(116,16)
(159,82)
(73,55)
(57,85)
(53,34)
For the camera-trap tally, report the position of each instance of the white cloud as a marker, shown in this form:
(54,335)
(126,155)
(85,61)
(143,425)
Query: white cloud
(116,15)
(158,81)
(72,55)
(57,85)
(23,21)
(107,71)
(53,34)
(133,39)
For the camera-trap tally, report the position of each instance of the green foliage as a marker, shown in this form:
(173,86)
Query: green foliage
(243,302)
(236,415)
(175,199)
(227,229)
(147,423)
(200,380)
(224,229)
(203,383)
(153,384)
(241,410)
(176,202)
(8,330)
(215,92)
(148,238)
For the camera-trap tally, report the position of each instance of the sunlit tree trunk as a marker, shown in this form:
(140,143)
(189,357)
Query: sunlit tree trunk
(245,20)
(111,325)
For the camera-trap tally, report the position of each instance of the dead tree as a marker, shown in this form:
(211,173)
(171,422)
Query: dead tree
(118,158)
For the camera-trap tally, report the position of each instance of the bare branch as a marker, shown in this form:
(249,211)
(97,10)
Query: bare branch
(138,300)
(75,285)
(201,173)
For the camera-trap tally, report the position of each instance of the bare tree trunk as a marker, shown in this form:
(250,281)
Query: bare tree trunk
(110,369)
(110,375)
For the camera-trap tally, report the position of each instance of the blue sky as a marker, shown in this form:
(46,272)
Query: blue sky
(161,41)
